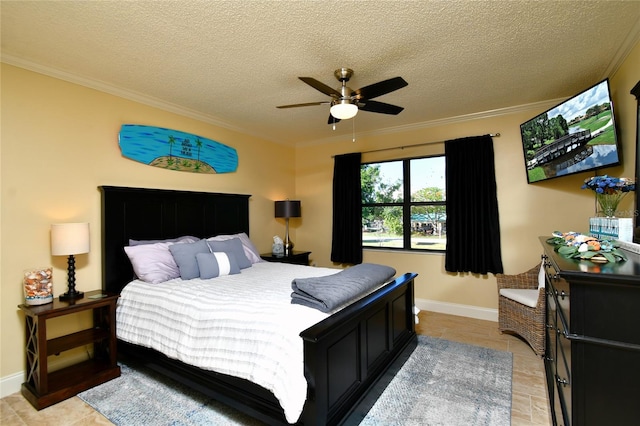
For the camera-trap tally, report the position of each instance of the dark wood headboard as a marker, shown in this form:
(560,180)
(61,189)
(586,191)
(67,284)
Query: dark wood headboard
(151,214)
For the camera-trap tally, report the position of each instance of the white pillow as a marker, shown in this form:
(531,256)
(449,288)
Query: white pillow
(250,249)
(541,276)
(527,297)
(153,263)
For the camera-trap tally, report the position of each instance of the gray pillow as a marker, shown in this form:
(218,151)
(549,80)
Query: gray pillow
(217,264)
(250,249)
(233,246)
(185,256)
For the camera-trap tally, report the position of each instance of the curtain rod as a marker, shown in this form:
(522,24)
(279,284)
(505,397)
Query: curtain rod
(493,135)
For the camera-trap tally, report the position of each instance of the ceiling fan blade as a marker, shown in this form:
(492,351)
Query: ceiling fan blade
(329,91)
(332,119)
(381,107)
(380,88)
(303,105)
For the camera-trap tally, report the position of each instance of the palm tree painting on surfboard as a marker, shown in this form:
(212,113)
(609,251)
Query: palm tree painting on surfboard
(176,150)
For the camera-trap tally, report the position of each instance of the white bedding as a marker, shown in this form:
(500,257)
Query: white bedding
(242,325)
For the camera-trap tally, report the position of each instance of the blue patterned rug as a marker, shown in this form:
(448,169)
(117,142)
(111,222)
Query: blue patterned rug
(441,383)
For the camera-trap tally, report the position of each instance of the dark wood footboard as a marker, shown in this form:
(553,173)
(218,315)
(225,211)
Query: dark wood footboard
(346,353)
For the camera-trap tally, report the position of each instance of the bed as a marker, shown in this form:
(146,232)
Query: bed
(344,354)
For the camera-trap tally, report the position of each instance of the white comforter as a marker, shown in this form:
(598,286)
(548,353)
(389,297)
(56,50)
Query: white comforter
(242,325)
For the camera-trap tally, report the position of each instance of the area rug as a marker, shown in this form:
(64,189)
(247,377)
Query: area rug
(446,383)
(441,383)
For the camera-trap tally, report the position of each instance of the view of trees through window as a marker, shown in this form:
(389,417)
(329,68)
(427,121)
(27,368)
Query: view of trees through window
(404,204)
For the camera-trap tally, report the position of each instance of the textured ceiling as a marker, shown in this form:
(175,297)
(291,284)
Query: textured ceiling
(232,62)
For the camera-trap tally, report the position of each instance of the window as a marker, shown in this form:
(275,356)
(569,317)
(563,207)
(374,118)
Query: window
(404,204)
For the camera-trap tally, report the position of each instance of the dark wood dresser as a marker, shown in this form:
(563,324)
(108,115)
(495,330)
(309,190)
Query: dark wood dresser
(592,358)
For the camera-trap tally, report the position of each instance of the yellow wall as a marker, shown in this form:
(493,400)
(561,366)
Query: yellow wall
(526,211)
(59,143)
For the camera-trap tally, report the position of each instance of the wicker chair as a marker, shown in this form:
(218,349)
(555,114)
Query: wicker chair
(516,317)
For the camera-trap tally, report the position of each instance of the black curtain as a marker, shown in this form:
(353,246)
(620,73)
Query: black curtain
(473,226)
(346,245)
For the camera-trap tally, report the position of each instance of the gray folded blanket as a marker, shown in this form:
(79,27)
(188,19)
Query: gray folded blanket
(332,291)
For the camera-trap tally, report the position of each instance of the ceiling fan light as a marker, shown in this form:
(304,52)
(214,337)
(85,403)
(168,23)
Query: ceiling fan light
(344,110)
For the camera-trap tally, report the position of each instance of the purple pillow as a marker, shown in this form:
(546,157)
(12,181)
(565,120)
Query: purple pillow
(185,239)
(153,263)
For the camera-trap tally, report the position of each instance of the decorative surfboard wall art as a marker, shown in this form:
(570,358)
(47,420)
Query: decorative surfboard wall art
(176,150)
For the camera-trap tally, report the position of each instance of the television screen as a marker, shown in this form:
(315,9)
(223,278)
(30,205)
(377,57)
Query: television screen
(573,137)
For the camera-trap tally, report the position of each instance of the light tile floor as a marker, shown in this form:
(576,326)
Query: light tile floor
(530,405)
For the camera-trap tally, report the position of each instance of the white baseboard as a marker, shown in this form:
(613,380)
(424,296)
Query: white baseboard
(11,384)
(458,309)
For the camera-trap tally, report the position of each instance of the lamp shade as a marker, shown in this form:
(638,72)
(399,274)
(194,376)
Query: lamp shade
(344,110)
(69,238)
(287,208)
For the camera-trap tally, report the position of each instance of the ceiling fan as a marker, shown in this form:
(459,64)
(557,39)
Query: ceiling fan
(345,102)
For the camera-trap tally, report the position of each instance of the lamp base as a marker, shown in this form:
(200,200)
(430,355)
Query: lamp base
(288,248)
(288,244)
(72,295)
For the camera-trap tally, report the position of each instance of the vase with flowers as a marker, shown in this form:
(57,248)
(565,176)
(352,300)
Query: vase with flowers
(609,192)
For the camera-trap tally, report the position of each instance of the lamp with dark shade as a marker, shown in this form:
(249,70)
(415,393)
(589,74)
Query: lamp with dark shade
(69,239)
(287,209)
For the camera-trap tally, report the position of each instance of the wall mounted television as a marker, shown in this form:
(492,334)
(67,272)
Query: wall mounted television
(575,136)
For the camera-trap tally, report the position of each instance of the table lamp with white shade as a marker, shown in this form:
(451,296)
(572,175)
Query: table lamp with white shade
(70,239)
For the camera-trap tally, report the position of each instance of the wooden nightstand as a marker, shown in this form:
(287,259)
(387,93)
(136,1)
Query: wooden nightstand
(44,388)
(296,257)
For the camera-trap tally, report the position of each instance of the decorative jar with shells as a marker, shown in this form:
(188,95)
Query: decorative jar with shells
(38,286)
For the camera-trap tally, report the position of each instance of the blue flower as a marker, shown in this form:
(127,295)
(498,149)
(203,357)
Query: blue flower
(609,185)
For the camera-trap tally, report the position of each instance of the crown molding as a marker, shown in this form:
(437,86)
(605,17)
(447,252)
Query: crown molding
(125,93)
(186,112)
(625,48)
